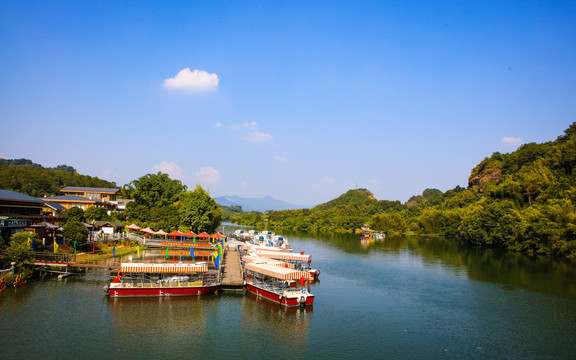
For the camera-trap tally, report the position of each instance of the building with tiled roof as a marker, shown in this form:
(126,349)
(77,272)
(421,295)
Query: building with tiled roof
(68,201)
(15,203)
(103,194)
(16,210)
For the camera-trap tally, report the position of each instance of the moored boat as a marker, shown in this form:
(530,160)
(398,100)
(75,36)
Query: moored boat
(300,261)
(151,280)
(272,283)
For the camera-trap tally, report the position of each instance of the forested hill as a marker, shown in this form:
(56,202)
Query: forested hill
(27,177)
(355,197)
(524,201)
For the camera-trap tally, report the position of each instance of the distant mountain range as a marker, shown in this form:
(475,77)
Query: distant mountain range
(256,204)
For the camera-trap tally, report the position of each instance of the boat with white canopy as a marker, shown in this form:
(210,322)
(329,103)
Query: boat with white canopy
(300,261)
(150,280)
(270,282)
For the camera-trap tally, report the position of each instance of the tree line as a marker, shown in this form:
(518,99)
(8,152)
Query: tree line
(27,177)
(524,201)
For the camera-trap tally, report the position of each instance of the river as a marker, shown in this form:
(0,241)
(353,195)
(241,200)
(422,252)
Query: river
(398,298)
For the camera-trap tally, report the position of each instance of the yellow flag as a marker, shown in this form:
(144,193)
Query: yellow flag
(138,250)
(55,246)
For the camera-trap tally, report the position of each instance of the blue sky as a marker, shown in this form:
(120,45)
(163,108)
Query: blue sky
(298,100)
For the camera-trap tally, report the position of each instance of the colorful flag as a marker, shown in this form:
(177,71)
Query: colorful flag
(138,250)
(192,253)
(166,253)
(114,251)
(74,247)
(55,246)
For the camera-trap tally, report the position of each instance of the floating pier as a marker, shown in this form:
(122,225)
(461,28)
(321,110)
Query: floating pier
(232,277)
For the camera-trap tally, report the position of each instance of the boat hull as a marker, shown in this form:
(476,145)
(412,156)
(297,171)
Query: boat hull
(118,292)
(289,301)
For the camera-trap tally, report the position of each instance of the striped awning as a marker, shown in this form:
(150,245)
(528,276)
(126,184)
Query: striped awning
(163,268)
(277,271)
(284,256)
(263,260)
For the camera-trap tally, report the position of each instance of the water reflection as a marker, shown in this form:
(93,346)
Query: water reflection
(284,329)
(171,317)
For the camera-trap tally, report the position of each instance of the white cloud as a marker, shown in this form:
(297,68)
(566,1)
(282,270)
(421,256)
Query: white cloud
(257,136)
(324,182)
(208,175)
(170,168)
(251,125)
(196,81)
(109,173)
(512,141)
(280,158)
(218,125)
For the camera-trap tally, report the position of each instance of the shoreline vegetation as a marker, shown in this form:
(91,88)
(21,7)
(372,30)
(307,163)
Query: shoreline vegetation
(523,201)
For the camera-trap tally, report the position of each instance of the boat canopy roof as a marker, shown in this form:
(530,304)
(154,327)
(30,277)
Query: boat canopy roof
(262,260)
(284,256)
(163,268)
(277,271)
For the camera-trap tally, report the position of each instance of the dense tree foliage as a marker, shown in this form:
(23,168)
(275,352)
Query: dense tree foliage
(94,213)
(163,203)
(199,212)
(19,251)
(155,190)
(74,230)
(73,214)
(32,179)
(523,201)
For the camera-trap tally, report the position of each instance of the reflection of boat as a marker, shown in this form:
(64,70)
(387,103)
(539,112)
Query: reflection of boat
(269,282)
(277,307)
(143,279)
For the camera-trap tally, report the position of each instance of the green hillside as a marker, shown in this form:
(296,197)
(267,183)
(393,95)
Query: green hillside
(24,176)
(524,201)
(357,197)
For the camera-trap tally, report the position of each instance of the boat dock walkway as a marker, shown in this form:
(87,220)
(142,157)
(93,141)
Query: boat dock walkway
(232,277)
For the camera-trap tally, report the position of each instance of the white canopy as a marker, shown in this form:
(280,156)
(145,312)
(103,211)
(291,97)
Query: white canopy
(163,268)
(277,271)
(284,256)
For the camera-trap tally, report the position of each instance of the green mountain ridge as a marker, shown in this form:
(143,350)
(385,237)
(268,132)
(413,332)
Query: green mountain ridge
(355,197)
(524,201)
(27,177)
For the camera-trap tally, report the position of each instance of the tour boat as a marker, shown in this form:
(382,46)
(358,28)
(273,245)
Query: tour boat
(268,233)
(242,235)
(263,260)
(151,280)
(273,243)
(300,261)
(272,283)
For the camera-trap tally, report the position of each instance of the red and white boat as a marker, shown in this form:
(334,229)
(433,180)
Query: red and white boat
(151,280)
(299,261)
(271,282)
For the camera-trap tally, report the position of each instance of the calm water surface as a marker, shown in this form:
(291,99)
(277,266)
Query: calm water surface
(410,298)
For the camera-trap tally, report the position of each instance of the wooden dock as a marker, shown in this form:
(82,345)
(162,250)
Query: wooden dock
(232,277)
